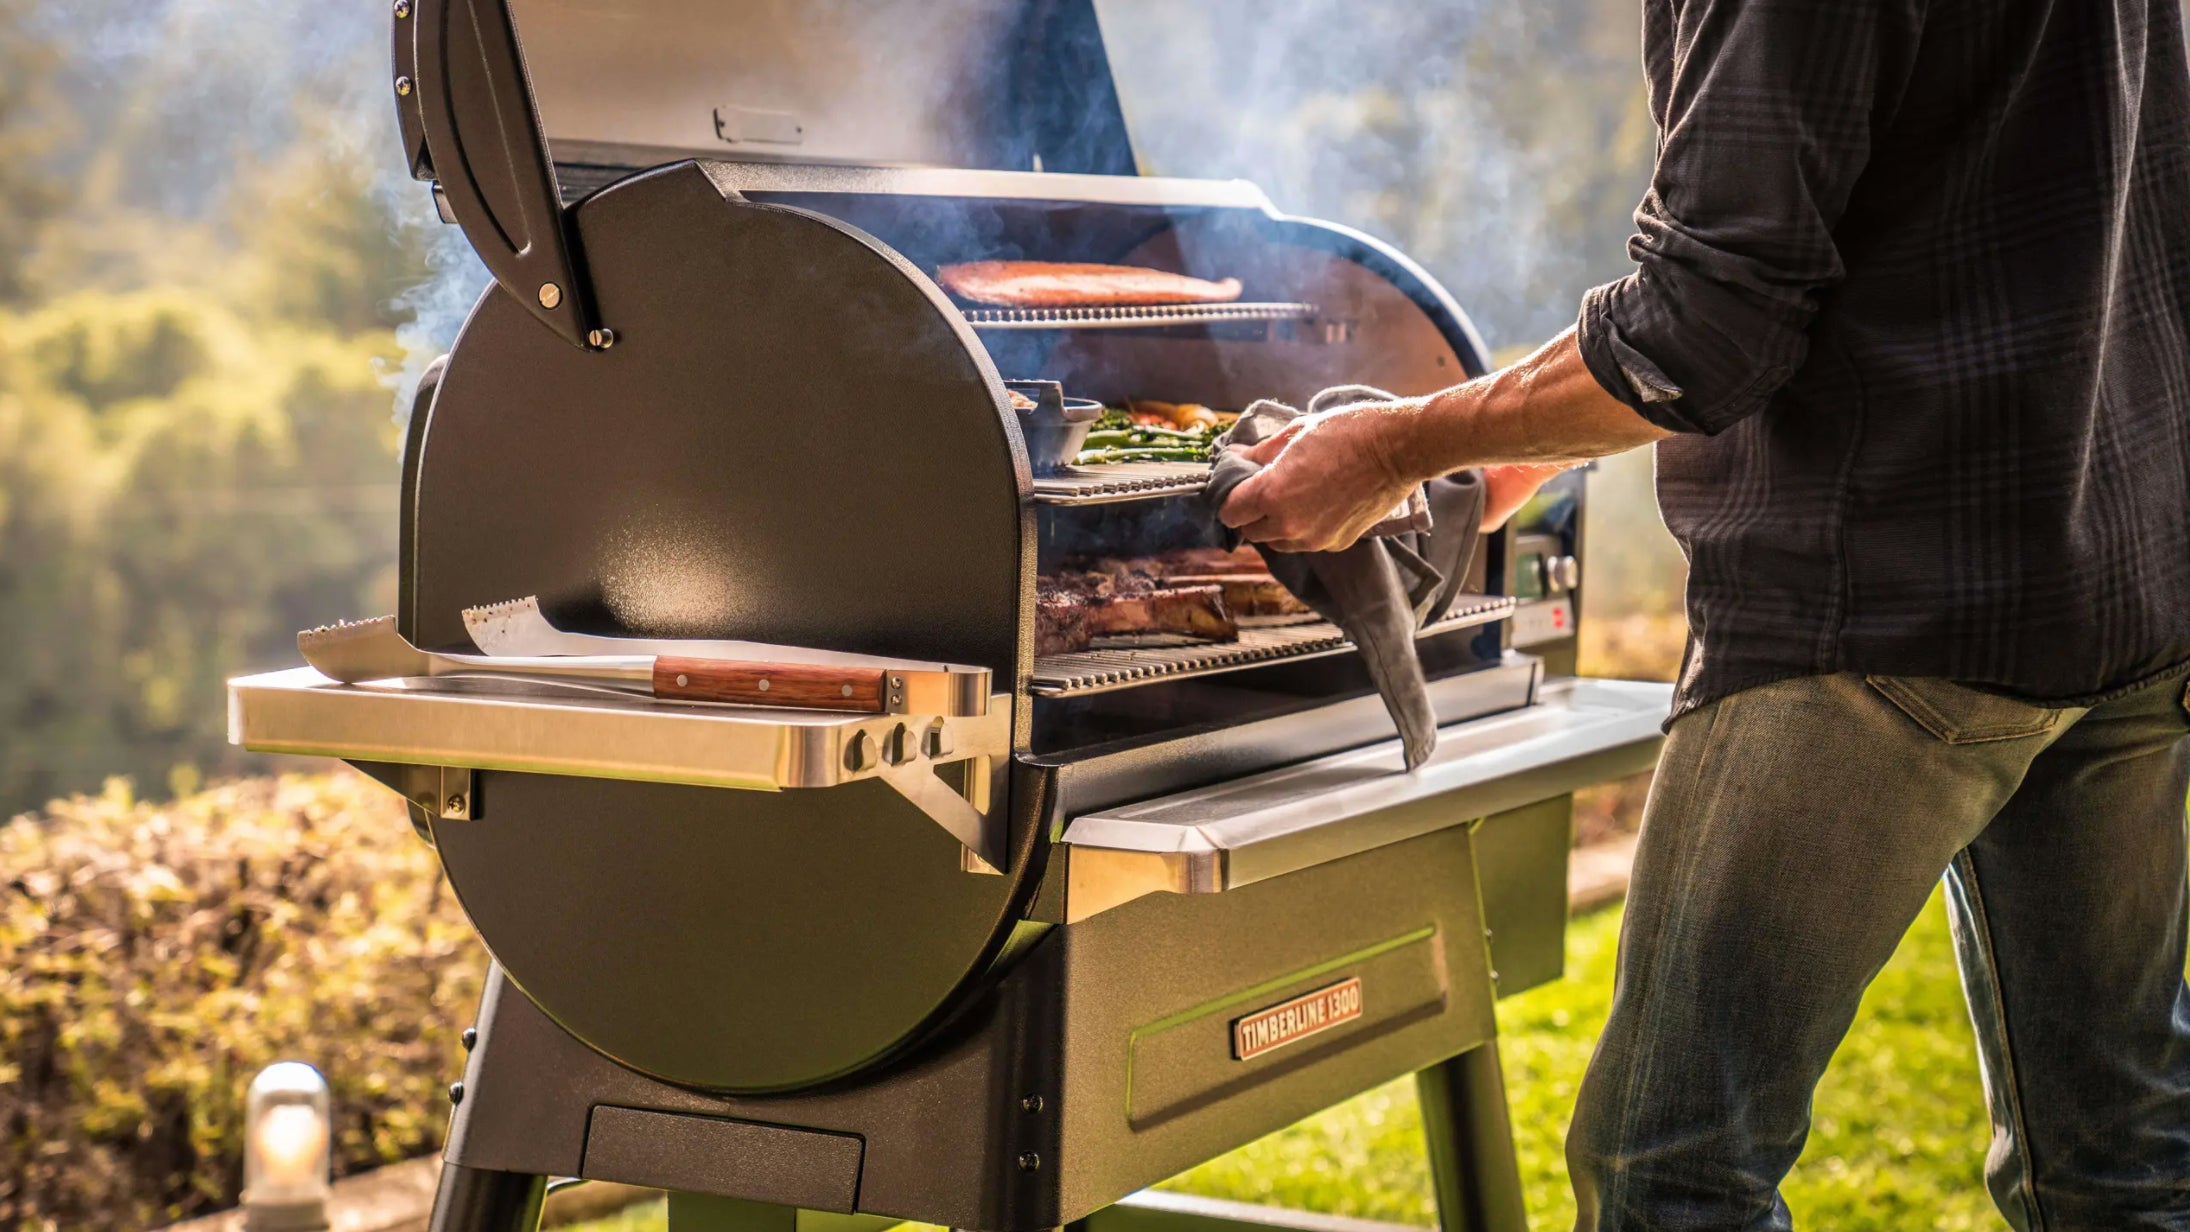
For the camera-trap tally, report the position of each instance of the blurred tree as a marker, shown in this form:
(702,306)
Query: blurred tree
(28,193)
(180,491)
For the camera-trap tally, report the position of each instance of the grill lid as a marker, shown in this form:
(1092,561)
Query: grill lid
(983,84)
(987,84)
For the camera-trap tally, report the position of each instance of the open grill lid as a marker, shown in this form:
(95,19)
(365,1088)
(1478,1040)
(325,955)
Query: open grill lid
(1002,85)
(982,84)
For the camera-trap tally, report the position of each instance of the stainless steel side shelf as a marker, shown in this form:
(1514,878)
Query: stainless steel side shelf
(746,748)
(1237,833)
(1082,672)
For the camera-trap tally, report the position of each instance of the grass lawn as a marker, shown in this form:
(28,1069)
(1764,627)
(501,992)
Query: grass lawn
(1898,1142)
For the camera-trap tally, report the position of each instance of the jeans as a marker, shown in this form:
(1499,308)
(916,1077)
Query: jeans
(1793,833)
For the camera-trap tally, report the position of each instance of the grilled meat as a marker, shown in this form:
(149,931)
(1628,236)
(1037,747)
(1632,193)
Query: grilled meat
(1051,284)
(1187,592)
(1247,594)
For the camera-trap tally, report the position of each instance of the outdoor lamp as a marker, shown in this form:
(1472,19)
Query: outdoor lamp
(286,1136)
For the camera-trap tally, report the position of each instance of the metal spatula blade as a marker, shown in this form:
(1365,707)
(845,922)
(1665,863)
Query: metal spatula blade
(352,651)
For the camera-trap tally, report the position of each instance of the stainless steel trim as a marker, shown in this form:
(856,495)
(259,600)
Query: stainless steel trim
(766,178)
(300,711)
(1237,833)
(1100,777)
(1121,481)
(1100,671)
(1135,316)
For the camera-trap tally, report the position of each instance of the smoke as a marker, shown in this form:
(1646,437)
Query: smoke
(437,304)
(1491,140)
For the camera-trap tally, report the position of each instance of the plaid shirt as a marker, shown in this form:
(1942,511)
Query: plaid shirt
(1913,285)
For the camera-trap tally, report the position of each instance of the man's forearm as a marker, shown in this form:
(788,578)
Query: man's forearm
(1545,408)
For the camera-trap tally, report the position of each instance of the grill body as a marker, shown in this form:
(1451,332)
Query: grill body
(721,397)
(1097,1063)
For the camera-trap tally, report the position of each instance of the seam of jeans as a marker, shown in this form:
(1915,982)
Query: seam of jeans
(1615,1194)
(2010,1082)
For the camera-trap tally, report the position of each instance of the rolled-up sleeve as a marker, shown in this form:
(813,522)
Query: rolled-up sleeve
(1765,111)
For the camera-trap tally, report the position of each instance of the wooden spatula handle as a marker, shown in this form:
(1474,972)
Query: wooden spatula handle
(802,686)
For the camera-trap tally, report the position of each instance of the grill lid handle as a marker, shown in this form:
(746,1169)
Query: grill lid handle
(464,103)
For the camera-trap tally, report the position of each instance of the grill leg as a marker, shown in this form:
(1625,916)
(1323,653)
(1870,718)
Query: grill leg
(477,1200)
(1470,1137)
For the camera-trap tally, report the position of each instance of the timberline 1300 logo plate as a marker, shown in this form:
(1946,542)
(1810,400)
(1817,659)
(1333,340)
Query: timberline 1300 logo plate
(1295,1020)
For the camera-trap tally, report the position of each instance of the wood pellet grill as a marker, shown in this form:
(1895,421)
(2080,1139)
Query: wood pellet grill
(1000,963)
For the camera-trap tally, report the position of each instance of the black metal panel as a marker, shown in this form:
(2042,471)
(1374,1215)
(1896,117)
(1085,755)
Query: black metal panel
(1019,1113)
(796,442)
(767,1163)
(482,141)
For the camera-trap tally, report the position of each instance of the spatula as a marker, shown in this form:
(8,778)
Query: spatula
(357,651)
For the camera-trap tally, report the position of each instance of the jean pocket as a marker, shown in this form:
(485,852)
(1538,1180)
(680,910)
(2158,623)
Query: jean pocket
(1959,714)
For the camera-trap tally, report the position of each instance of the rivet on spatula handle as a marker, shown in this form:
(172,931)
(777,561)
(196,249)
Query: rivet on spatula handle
(797,685)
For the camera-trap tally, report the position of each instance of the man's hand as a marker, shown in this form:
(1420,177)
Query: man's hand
(1326,479)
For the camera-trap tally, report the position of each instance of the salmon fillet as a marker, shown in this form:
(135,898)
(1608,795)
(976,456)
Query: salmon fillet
(1051,284)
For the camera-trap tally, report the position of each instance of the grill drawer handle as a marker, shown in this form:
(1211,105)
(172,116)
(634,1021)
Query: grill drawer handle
(800,686)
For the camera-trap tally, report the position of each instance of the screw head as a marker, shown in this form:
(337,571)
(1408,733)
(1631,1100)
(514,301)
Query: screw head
(403,87)
(601,339)
(456,1092)
(470,1038)
(402,9)
(1031,1104)
(683,680)
(551,296)
(455,807)
(1030,1162)
(763,685)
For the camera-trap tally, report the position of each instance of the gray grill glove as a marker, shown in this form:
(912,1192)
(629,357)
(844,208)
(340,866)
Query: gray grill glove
(1402,575)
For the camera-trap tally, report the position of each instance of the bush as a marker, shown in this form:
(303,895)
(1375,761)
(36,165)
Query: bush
(154,957)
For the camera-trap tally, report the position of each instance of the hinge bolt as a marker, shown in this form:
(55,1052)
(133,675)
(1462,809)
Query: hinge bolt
(402,87)
(551,296)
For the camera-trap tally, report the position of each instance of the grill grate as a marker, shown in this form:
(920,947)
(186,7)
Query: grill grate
(1119,481)
(1118,316)
(1100,671)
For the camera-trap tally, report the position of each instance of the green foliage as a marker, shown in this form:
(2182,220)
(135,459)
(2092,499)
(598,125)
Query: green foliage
(180,491)
(154,958)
